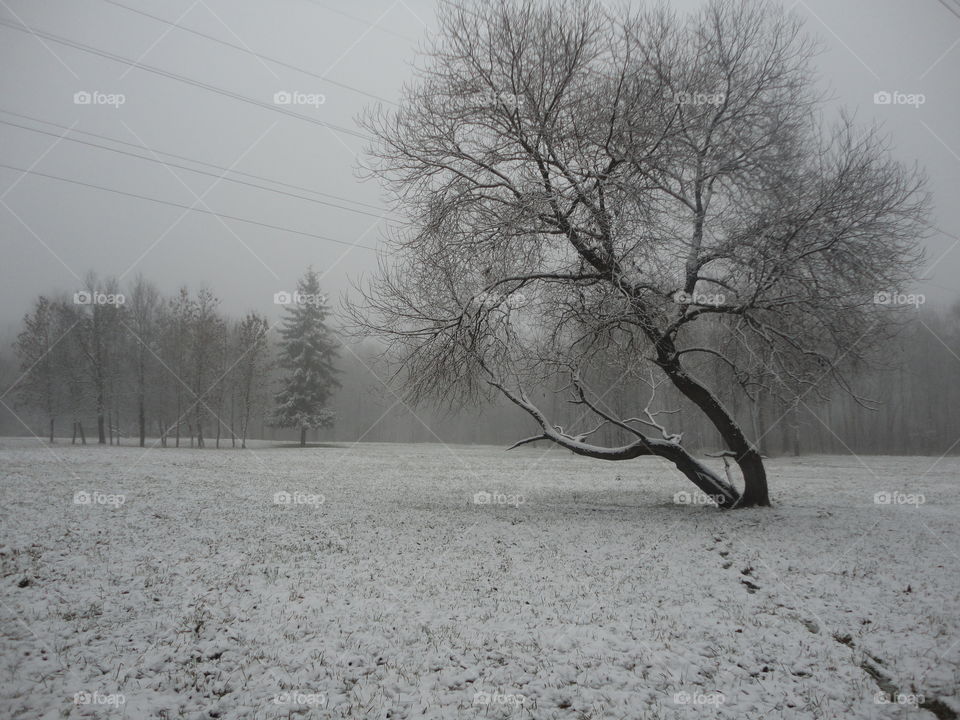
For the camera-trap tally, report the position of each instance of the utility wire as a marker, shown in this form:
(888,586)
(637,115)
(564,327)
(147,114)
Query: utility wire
(60,40)
(952,10)
(185,207)
(221,168)
(248,51)
(193,170)
(375,26)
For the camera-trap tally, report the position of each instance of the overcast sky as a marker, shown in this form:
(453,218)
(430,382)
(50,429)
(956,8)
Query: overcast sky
(213,103)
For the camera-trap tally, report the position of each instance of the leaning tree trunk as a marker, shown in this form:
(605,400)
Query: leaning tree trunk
(710,483)
(743,452)
(719,489)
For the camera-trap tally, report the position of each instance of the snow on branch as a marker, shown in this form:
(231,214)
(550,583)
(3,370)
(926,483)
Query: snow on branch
(642,446)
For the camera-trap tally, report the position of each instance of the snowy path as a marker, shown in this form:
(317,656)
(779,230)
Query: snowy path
(585,592)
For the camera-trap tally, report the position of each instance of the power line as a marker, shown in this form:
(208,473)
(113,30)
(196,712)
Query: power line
(181,78)
(375,26)
(185,207)
(193,170)
(248,51)
(192,160)
(952,10)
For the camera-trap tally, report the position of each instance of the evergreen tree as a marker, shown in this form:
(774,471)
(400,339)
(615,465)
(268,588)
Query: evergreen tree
(307,355)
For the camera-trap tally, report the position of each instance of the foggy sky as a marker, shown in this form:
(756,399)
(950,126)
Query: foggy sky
(52,232)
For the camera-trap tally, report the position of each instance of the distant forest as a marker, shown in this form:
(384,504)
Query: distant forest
(80,356)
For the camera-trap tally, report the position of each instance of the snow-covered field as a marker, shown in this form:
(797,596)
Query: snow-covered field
(383,590)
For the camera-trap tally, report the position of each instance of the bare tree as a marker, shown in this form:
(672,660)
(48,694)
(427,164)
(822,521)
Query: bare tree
(143,306)
(70,366)
(176,321)
(99,310)
(252,349)
(38,385)
(580,182)
(206,333)
(221,347)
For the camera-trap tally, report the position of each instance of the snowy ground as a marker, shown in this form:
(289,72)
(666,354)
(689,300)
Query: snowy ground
(382,590)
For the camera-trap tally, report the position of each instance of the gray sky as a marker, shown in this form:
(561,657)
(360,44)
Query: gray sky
(52,232)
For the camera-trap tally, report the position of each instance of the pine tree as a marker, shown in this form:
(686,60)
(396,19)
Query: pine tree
(307,354)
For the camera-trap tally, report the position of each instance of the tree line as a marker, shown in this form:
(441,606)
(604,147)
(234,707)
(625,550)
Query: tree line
(135,362)
(202,376)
